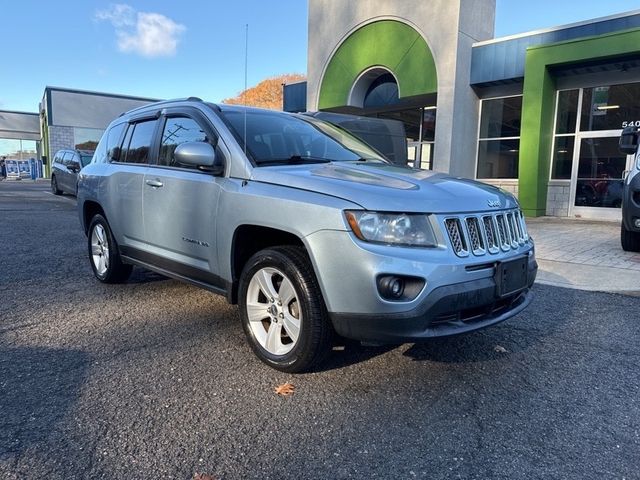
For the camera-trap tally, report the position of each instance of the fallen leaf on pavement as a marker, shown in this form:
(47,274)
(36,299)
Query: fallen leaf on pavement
(500,349)
(202,476)
(285,389)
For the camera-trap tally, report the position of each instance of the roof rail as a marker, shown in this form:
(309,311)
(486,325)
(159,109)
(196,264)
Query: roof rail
(164,102)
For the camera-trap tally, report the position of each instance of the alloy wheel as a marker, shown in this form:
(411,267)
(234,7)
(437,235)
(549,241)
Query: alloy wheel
(273,311)
(100,250)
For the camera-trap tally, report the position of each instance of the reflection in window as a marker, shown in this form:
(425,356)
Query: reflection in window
(501,117)
(86,138)
(498,158)
(176,131)
(567,111)
(607,108)
(139,138)
(499,142)
(563,157)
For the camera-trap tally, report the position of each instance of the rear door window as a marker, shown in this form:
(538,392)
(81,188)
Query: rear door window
(137,144)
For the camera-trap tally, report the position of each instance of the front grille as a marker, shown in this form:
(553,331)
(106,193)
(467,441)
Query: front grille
(486,233)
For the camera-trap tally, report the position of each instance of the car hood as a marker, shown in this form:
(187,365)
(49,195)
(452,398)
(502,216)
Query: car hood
(386,187)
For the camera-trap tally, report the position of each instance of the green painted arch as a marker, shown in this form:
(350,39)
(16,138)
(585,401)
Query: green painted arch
(390,44)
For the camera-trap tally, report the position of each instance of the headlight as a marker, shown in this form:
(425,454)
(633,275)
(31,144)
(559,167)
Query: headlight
(392,228)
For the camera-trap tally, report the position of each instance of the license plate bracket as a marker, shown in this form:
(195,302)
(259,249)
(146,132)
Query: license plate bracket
(511,276)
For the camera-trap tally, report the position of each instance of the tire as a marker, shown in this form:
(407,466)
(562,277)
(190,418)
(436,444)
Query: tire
(104,256)
(630,240)
(54,186)
(282,310)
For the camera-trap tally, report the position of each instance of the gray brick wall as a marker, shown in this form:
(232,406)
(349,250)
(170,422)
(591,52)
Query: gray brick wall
(558,194)
(59,138)
(510,186)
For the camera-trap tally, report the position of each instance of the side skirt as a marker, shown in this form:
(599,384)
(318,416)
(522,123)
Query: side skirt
(176,270)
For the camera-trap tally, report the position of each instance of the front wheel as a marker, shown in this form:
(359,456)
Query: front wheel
(283,313)
(630,240)
(103,253)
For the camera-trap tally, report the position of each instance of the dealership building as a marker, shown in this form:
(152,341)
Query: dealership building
(66,119)
(538,113)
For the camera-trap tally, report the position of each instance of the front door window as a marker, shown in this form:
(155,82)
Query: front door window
(601,167)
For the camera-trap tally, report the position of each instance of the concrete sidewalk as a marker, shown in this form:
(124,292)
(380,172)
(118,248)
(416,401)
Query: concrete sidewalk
(585,255)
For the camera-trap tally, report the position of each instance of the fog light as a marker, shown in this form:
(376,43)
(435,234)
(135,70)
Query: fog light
(391,287)
(399,288)
(636,222)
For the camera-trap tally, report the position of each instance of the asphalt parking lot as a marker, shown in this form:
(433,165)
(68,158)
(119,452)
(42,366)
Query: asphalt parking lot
(153,379)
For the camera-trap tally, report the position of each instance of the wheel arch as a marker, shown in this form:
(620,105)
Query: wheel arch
(249,239)
(89,210)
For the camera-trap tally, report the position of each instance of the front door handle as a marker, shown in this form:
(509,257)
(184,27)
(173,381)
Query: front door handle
(154,183)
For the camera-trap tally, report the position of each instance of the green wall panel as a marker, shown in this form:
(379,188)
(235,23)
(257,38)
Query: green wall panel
(538,105)
(387,43)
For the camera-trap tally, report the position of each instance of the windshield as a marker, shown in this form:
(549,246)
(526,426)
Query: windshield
(85,159)
(278,139)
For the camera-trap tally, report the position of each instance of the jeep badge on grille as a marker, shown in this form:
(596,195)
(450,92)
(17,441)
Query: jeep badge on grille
(493,203)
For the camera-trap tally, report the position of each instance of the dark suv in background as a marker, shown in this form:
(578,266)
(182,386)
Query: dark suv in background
(65,167)
(630,228)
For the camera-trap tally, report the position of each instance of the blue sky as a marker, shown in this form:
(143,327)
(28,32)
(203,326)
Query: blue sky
(165,49)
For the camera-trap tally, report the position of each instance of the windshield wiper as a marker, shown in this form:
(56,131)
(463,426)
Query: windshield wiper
(293,160)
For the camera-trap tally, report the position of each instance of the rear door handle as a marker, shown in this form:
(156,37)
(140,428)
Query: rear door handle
(154,183)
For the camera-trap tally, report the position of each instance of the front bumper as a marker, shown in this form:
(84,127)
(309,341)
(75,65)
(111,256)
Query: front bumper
(448,310)
(460,294)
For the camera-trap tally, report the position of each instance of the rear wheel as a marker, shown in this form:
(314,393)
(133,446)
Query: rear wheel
(103,253)
(54,186)
(283,313)
(630,240)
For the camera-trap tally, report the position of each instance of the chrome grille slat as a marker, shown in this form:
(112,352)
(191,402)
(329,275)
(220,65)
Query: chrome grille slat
(513,232)
(503,233)
(475,235)
(486,232)
(456,236)
(490,233)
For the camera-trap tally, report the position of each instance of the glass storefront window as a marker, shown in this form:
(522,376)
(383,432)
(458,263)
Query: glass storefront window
(499,142)
(563,158)
(501,117)
(600,170)
(567,111)
(86,138)
(610,107)
(498,158)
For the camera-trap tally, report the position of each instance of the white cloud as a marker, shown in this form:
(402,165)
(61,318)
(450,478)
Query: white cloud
(147,34)
(119,15)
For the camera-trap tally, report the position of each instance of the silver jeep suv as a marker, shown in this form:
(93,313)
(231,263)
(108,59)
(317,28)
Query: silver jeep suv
(311,231)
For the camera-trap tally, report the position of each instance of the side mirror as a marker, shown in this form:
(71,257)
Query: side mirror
(629,141)
(74,167)
(199,154)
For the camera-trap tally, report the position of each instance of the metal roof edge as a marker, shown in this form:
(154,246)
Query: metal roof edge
(558,28)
